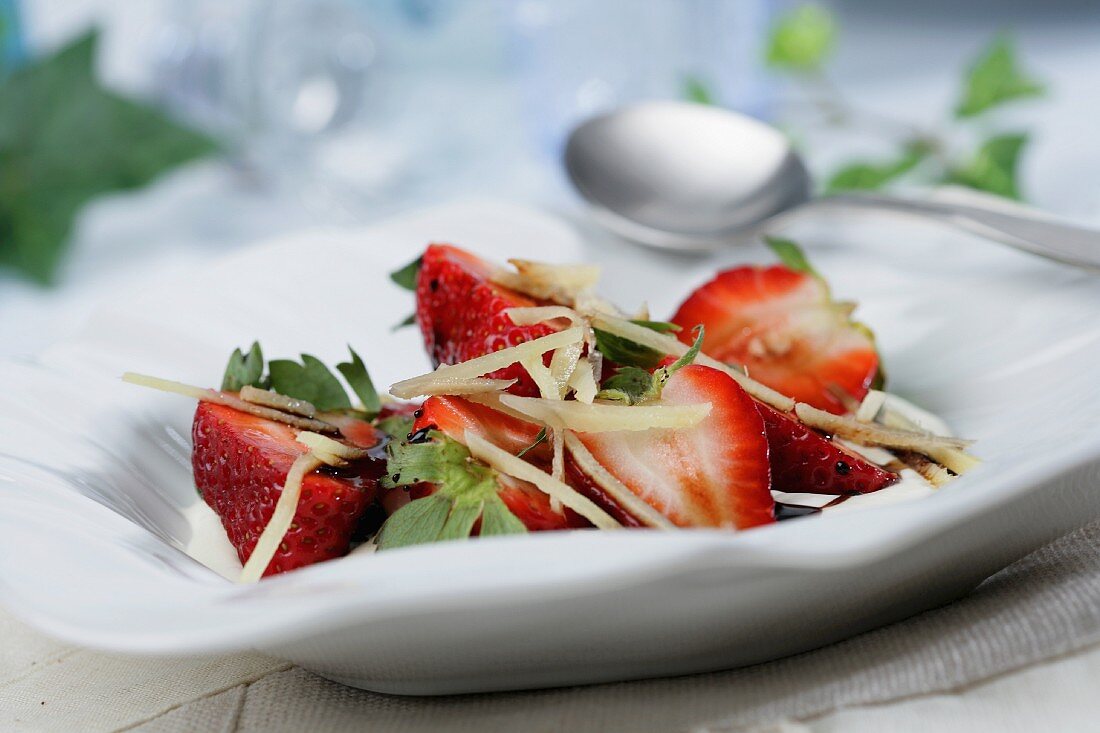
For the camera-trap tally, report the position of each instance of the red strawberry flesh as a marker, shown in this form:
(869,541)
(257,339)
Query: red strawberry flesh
(713,474)
(461,313)
(240,463)
(805,461)
(784,328)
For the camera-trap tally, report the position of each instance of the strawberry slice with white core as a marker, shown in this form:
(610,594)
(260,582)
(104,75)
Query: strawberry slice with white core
(784,328)
(714,474)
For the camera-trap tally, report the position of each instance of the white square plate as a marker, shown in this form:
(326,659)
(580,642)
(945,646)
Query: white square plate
(98,511)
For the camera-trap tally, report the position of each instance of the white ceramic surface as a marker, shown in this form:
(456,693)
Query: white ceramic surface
(97,506)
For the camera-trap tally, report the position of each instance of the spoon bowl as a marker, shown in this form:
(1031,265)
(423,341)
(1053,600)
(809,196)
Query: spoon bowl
(683,176)
(694,177)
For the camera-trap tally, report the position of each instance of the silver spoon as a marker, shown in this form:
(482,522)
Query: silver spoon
(693,177)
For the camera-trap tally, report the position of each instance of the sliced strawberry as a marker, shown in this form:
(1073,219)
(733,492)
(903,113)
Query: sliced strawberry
(453,416)
(241,462)
(783,326)
(460,313)
(804,460)
(713,474)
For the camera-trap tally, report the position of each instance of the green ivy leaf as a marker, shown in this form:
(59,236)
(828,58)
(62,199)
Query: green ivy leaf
(801,39)
(64,142)
(405,277)
(311,380)
(244,370)
(995,78)
(355,372)
(696,90)
(994,168)
(871,176)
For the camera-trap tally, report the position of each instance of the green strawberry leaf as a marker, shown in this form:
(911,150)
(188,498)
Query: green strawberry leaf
(628,384)
(994,168)
(355,372)
(244,370)
(871,176)
(696,90)
(497,520)
(409,321)
(66,141)
(311,381)
(791,255)
(405,277)
(633,385)
(995,78)
(419,521)
(467,490)
(801,39)
(629,353)
(660,326)
(538,439)
(396,426)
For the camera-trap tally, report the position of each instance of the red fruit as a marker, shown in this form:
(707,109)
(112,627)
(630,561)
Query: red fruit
(783,326)
(241,462)
(453,416)
(713,474)
(460,313)
(804,460)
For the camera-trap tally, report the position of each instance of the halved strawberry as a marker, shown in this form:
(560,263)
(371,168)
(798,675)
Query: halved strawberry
(460,312)
(804,460)
(713,474)
(453,416)
(784,327)
(241,462)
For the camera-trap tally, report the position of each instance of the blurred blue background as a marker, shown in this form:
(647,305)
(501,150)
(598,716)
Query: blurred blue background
(339,112)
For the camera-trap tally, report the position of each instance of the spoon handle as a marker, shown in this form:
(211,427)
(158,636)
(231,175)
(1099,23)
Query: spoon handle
(1000,220)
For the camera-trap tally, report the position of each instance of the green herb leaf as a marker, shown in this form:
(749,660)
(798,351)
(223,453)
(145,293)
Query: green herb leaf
(696,90)
(871,176)
(409,321)
(801,39)
(995,78)
(311,380)
(791,255)
(243,370)
(66,141)
(355,372)
(466,490)
(538,439)
(994,168)
(406,276)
